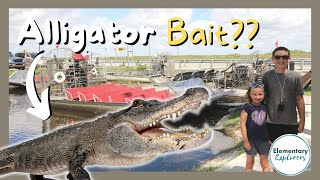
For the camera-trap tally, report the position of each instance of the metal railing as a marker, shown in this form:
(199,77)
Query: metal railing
(301,64)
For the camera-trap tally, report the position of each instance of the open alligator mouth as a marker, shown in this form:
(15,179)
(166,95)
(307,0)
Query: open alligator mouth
(154,129)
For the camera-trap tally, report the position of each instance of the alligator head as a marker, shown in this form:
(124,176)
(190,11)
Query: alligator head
(139,133)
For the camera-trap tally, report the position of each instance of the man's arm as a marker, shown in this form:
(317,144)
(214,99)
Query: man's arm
(301,110)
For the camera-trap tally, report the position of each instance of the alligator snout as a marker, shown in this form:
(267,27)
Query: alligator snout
(200,91)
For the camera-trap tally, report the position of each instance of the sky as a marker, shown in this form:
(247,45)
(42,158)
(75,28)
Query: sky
(290,27)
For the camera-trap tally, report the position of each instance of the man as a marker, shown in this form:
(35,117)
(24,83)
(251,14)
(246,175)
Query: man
(284,94)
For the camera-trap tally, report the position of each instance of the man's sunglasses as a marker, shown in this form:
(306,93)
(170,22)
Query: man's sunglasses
(277,57)
(257,85)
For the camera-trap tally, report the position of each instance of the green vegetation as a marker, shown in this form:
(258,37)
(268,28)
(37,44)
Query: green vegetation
(141,67)
(294,54)
(238,148)
(44,71)
(307,92)
(233,119)
(208,169)
(300,54)
(124,68)
(11,71)
(232,122)
(37,72)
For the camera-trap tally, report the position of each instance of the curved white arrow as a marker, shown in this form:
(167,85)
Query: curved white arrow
(41,109)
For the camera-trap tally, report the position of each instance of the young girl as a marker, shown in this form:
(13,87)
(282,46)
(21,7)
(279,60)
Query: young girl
(253,127)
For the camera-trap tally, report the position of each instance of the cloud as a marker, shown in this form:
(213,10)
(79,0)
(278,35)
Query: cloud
(155,17)
(286,25)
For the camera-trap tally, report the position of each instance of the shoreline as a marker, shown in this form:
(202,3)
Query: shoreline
(228,154)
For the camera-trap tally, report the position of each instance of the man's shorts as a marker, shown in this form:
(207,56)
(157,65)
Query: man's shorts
(277,130)
(258,146)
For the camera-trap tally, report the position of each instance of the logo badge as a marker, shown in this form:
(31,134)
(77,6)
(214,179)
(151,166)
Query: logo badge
(290,155)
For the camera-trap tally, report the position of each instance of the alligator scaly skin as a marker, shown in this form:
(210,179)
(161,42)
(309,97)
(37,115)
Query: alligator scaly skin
(110,140)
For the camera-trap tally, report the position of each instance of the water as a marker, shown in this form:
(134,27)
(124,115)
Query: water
(169,162)
(23,126)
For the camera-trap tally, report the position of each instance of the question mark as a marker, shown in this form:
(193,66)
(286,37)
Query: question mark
(239,31)
(254,32)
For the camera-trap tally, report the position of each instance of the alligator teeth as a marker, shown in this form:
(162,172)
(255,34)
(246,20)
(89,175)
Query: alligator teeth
(168,116)
(154,123)
(179,113)
(164,134)
(168,135)
(150,124)
(174,115)
(157,120)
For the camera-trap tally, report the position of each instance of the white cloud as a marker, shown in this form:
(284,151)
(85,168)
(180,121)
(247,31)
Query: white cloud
(286,25)
(155,17)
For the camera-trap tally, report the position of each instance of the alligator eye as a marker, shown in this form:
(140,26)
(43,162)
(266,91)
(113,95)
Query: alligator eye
(137,103)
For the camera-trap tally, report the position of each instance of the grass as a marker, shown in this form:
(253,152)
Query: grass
(208,169)
(294,54)
(238,148)
(37,72)
(124,68)
(307,92)
(233,122)
(233,119)
(11,71)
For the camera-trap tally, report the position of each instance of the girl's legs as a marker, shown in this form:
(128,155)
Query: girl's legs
(264,163)
(249,163)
